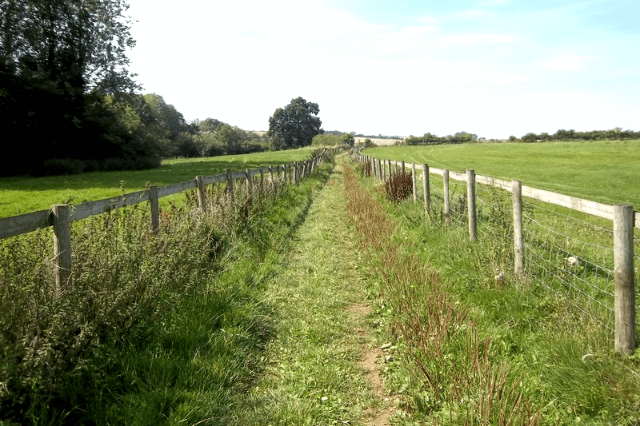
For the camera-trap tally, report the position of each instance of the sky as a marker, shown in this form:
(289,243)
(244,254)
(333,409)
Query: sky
(491,67)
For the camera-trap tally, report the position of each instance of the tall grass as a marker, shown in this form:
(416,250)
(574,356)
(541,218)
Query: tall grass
(561,359)
(458,371)
(57,351)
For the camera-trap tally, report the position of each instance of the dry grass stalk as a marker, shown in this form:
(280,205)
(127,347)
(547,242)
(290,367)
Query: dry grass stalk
(442,342)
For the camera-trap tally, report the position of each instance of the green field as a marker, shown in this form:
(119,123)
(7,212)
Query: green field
(20,194)
(604,171)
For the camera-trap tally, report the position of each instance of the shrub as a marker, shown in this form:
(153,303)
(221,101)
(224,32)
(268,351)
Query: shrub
(399,186)
(123,275)
(364,169)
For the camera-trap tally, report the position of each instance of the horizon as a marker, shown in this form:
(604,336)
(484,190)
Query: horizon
(495,68)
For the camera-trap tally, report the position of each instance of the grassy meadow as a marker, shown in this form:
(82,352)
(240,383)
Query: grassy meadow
(474,350)
(244,315)
(20,194)
(604,171)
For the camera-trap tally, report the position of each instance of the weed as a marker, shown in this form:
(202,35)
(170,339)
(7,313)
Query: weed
(399,186)
(439,339)
(124,276)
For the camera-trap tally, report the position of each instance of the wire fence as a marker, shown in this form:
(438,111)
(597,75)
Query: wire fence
(567,253)
(580,272)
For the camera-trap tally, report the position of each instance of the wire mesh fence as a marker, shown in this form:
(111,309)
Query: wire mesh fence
(568,253)
(576,270)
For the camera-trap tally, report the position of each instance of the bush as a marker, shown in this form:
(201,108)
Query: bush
(399,186)
(330,139)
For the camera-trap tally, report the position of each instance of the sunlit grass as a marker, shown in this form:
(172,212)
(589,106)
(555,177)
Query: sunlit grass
(604,171)
(20,194)
(541,335)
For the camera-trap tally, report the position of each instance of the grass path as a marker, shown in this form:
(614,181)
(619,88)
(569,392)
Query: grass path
(322,364)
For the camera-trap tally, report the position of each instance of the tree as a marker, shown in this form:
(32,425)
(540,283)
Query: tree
(529,137)
(295,125)
(58,61)
(208,125)
(231,137)
(78,42)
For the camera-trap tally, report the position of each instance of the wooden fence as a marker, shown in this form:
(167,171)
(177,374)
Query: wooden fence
(60,216)
(623,216)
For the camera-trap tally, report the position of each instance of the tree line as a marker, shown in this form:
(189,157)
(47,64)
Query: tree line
(68,103)
(561,135)
(569,135)
(431,139)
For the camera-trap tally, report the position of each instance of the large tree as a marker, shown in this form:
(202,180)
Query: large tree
(58,61)
(80,43)
(295,125)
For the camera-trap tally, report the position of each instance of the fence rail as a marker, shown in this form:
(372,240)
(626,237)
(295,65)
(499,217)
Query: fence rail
(60,216)
(623,217)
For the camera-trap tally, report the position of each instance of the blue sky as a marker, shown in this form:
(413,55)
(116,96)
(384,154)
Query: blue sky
(491,67)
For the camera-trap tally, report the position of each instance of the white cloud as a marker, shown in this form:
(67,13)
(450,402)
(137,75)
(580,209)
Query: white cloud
(427,19)
(478,38)
(565,63)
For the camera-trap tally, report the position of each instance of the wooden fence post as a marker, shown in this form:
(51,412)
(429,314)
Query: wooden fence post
(271,175)
(296,171)
(425,184)
(62,246)
(447,200)
(380,173)
(625,322)
(249,186)
(403,168)
(471,203)
(415,189)
(155,211)
(390,172)
(518,240)
(201,195)
(261,180)
(230,183)
(384,170)
(249,180)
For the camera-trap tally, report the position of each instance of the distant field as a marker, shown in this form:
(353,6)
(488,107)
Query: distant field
(379,141)
(604,171)
(20,195)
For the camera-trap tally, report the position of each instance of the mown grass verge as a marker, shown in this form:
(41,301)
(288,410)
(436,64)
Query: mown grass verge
(463,336)
(154,330)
